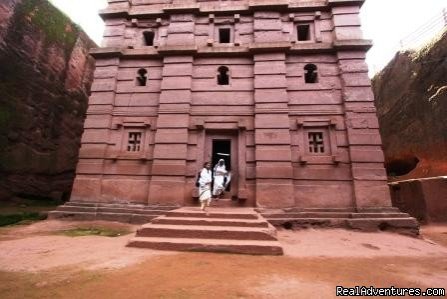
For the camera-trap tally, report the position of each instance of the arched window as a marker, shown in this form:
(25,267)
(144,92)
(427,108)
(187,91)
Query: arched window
(311,74)
(142,77)
(149,37)
(222,77)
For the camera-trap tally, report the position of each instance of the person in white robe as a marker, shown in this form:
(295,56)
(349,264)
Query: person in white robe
(205,186)
(220,172)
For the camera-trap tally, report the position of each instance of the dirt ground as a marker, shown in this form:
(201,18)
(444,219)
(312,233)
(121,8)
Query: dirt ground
(36,261)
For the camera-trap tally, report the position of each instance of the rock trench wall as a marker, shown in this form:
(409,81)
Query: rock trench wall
(411,100)
(45,77)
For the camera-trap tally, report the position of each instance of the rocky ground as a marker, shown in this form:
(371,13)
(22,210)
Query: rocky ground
(40,261)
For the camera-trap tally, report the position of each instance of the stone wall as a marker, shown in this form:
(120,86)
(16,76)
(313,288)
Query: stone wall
(411,100)
(45,78)
(424,199)
(269,109)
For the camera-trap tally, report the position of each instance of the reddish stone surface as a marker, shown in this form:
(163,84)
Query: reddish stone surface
(424,199)
(267,110)
(45,76)
(411,97)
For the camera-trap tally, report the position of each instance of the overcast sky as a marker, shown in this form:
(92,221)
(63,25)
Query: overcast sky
(386,22)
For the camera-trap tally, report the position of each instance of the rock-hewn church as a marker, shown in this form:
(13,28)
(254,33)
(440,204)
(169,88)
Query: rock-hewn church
(278,89)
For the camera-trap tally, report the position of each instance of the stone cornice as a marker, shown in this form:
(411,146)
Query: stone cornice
(251,6)
(288,47)
(353,44)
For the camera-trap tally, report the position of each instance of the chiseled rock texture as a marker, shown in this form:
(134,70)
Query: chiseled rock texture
(411,99)
(45,77)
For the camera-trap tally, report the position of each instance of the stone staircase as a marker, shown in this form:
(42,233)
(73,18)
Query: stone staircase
(128,213)
(230,230)
(367,219)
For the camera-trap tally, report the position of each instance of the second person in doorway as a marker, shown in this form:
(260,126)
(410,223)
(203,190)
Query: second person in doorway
(219,172)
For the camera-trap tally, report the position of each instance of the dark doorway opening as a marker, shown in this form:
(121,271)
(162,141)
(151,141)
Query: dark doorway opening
(149,37)
(222,77)
(303,32)
(222,150)
(224,35)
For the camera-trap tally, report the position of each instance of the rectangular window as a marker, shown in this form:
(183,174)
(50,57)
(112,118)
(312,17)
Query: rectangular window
(134,142)
(224,35)
(303,32)
(149,37)
(316,142)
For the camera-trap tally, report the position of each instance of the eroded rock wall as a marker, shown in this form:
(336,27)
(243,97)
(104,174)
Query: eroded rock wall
(411,99)
(45,77)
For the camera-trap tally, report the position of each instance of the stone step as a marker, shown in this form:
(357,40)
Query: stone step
(121,206)
(407,225)
(80,204)
(290,223)
(330,210)
(225,203)
(71,215)
(66,208)
(209,245)
(385,224)
(224,215)
(206,232)
(380,215)
(378,210)
(90,216)
(308,215)
(318,210)
(125,217)
(335,215)
(211,221)
(109,210)
(131,211)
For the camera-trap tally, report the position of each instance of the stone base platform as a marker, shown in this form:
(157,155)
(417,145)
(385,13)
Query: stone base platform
(128,213)
(230,230)
(222,215)
(367,219)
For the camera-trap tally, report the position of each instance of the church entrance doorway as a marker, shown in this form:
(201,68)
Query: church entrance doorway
(224,146)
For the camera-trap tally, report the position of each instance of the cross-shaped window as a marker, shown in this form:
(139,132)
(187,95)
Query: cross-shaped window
(134,142)
(316,142)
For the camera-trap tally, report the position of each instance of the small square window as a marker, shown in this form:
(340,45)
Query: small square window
(303,32)
(224,35)
(316,143)
(134,142)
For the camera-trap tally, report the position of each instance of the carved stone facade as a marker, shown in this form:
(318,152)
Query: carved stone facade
(279,87)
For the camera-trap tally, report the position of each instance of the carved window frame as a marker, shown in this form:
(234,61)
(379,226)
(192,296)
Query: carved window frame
(217,28)
(146,25)
(124,128)
(328,128)
(315,27)
(216,23)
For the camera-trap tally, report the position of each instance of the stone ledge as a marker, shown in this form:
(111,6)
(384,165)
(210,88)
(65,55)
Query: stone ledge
(105,52)
(269,47)
(251,6)
(269,4)
(175,50)
(289,47)
(353,44)
(345,2)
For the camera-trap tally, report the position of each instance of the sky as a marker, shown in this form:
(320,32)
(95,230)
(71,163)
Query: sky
(386,22)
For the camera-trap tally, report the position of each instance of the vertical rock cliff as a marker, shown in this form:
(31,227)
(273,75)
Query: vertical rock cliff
(411,99)
(45,77)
